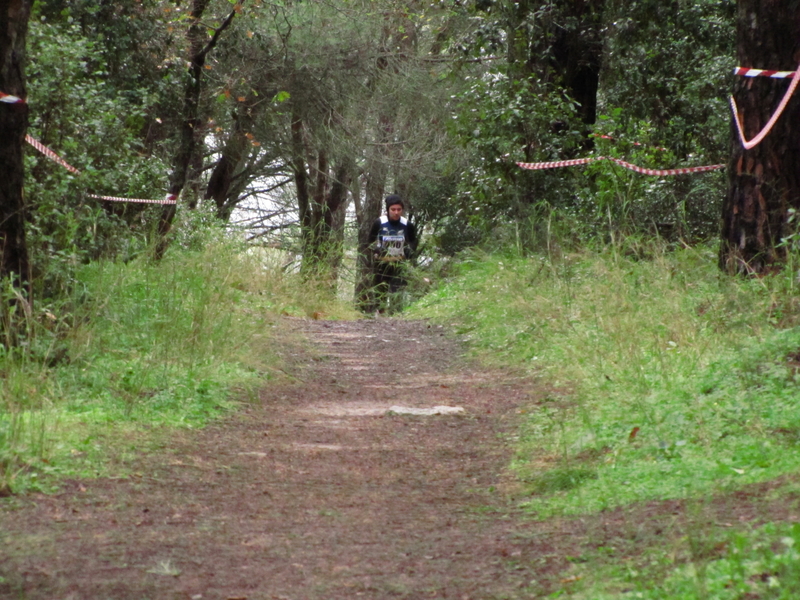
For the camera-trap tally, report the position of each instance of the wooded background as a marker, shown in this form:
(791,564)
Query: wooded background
(309,113)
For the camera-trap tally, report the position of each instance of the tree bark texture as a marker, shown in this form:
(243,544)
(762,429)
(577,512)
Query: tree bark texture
(375,184)
(763,182)
(576,55)
(322,190)
(568,51)
(221,182)
(191,134)
(14,262)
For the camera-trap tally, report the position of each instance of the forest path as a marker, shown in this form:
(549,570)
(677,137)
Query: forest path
(315,492)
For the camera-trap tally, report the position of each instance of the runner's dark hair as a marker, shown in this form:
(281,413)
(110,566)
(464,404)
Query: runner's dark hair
(394,199)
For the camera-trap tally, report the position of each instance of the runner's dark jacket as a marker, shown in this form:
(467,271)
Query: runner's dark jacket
(383,226)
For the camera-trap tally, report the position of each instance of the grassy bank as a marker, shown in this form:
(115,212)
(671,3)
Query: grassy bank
(668,380)
(139,348)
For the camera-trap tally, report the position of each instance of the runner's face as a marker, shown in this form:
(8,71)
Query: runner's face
(395,212)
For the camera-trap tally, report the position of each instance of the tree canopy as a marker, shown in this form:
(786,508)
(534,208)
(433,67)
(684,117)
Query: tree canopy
(294,119)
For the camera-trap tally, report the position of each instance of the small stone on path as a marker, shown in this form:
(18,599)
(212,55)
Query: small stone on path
(436,410)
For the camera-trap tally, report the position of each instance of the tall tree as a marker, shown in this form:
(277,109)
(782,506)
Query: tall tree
(536,100)
(200,45)
(667,68)
(406,146)
(564,44)
(233,153)
(396,46)
(763,181)
(340,94)
(14,264)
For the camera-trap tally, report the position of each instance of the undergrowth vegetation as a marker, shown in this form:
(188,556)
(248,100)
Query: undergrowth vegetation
(143,346)
(666,379)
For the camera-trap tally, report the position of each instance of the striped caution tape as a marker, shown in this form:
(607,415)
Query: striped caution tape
(554,165)
(745,72)
(50,154)
(622,163)
(666,172)
(9,99)
(170,198)
(748,144)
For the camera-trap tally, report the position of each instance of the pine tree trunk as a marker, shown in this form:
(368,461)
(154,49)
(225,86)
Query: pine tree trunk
(14,264)
(763,182)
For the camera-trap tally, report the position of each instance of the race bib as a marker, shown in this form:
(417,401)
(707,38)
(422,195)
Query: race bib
(393,245)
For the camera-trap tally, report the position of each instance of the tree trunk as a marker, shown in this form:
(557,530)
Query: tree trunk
(321,200)
(376,171)
(763,182)
(370,210)
(330,229)
(190,135)
(222,177)
(576,55)
(14,263)
(301,182)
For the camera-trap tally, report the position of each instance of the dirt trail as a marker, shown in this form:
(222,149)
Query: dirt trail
(312,493)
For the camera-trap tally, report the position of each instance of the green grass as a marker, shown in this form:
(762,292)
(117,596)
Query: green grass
(142,347)
(755,562)
(667,379)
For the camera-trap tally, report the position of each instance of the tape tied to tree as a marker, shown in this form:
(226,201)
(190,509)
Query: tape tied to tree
(9,99)
(622,163)
(745,72)
(169,199)
(748,144)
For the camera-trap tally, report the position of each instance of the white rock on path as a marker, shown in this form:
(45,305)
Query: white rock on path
(436,410)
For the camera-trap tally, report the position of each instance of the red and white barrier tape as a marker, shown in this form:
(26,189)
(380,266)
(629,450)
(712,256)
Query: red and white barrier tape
(666,172)
(622,163)
(9,99)
(50,154)
(745,72)
(170,199)
(554,165)
(775,116)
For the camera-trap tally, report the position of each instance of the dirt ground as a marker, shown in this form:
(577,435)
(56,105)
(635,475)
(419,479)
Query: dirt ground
(317,491)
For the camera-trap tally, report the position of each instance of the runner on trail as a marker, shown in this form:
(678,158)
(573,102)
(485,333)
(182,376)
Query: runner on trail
(393,240)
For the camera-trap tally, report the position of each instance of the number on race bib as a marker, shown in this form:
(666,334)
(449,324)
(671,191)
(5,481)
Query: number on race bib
(393,245)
